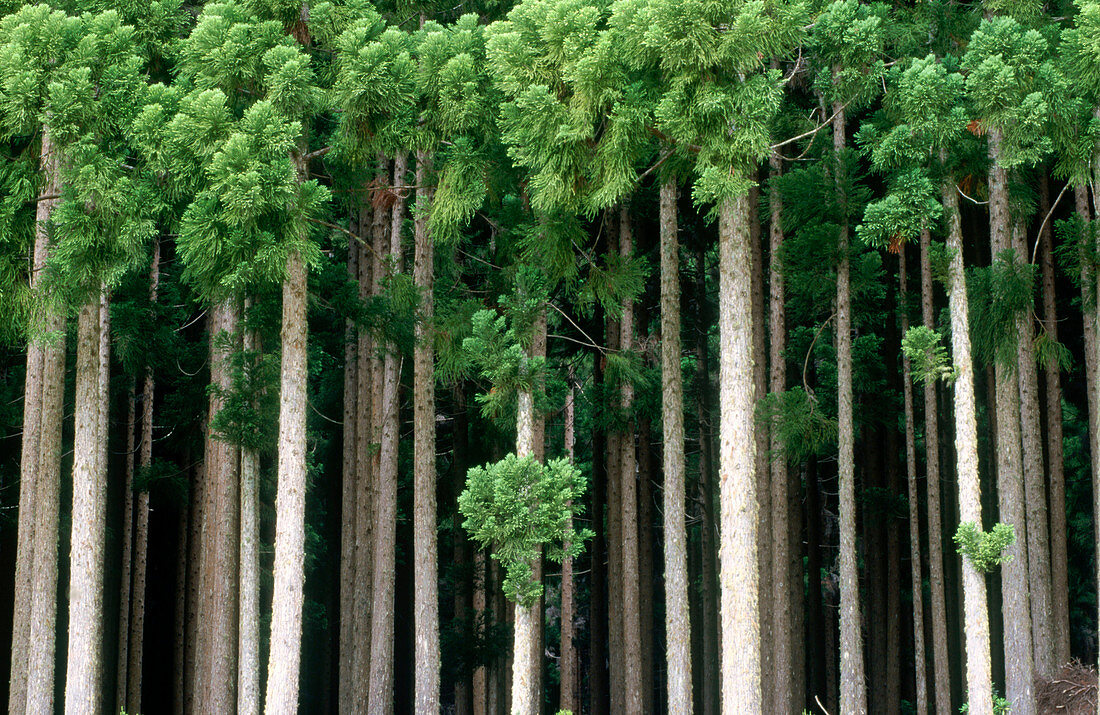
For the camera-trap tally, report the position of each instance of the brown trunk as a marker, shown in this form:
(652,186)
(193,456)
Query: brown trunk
(1014,573)
(677,615)
(1059,569)
(853,691)
(538,350)
(976,619)
(570,694)
(631,596)
(385,496)
(738,575)
(141,533)
(615,651)
(194,587)
(33,639)
(941,673)
(710,677)
(286,617)
(893,576)
(345,697)
(248,608)
(1088,315)
(525,658)
(651,681)
(179,655)
(482,614)
(598,604)
(82,685)
(916,579)
(424,508)
(127,554)
(1038,534)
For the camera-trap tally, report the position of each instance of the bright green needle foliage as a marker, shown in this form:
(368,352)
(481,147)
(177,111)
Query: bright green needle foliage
(901,214)
(928,358)
(984,550)
(849,38)
(519,508)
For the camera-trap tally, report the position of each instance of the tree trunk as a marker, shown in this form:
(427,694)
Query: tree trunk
(121,680)
(976,623)
(1038,539)
(615,651)
(83,670)
(463,571)
(32,670)
(286,618)
(941,673)
(424,510)
(893,569)
(677,615)
(738,577)
(651,680)
(570,692)
(1059,569)
(711,629)
(1014,573)
(525,630)
(194,587)
(348,506)
(598,605)
(853,692)
(248,613)
(631,595)
(180,665)
(916,578)
(482,613)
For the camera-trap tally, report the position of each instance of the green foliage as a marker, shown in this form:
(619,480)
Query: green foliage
(517,507)
(910,206)
(1001,705)
(928,359)
(793,416)
(984,550)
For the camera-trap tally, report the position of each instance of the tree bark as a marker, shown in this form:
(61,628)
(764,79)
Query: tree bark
(385,497)
(738,577)
(425,541)
(194,586)
(348,506)
(248,608)
(33,638)
(677,615)
(121,680)
(616,654)
(286,618)
(141,533)
(976,624)
(82,686)
(179,661)
(1014,573)
(916,577)
(1059,569)
(570,693)
(853,692)
(526,625)
(711,629)
(941,673)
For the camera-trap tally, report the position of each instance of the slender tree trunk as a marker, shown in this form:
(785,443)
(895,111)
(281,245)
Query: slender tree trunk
(598,605)
(385,497)
(82,686)
(33,638)
(1038,539)
(570,693)
(616,654)
(677,615)
(1059,568)
(1014,573)
(788,669)
(424,527)
(647,519)
(179,661)
(893,570)
(483,614)
(916,578)
(464,575)
(853,692)
(194,586)
(941,673)
(631,595)
(141,533)
(248,609)
(711,629)
(286,619)
(976,623)
(738,577)
(348,506)
(525,628)
(121,680)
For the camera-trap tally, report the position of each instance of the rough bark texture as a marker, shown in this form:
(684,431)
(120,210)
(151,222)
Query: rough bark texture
(385,497)
(1010,489)
(194,544)
(853,692)
(976,621)
(88,525)
(941,673)
(524,699)
(631,595)
(179,655)
(916,578)
(345,696)
(677,615)
(738,576)
(127,554)
(711,685)
(1038,534)
(1059,569)
(286,618)
(33,638)
(615,650)
(425,541)
(570,673)
(248,603)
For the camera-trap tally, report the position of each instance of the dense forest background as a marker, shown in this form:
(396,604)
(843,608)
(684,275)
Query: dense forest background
(640,356)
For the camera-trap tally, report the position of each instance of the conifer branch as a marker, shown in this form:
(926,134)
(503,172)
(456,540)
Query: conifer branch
(803,135)
(1043,225)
